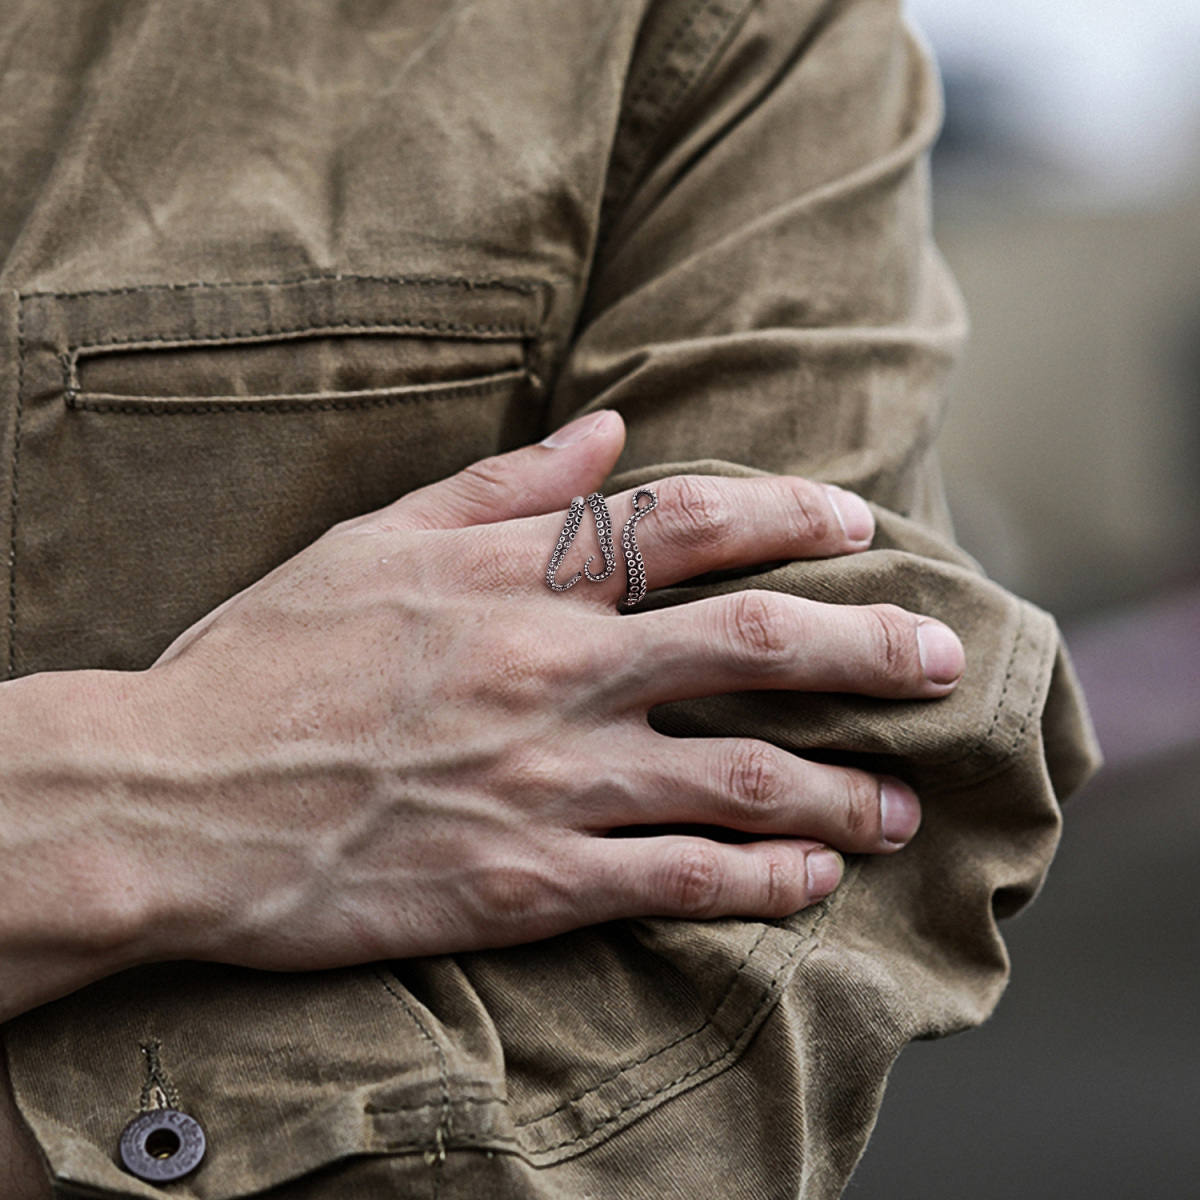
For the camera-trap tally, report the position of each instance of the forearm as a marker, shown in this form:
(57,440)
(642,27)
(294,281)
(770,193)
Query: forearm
(77,901)
(390,766)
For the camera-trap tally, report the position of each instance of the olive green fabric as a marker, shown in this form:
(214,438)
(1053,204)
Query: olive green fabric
(267,265)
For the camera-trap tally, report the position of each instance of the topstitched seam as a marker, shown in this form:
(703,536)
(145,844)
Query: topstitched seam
(445,1105)
(444,1127)
(1000,703)
(154,406)
(625,1068)
(991,770)
(768,994)
(1043,664)
(15,493)
(462,1141)
(525,287)
(237,336)
(641,146)
(388,1109)
(659,65)
(683,1037)
(680,90)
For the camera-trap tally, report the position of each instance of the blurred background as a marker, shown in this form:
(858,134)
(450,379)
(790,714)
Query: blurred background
(1067,200)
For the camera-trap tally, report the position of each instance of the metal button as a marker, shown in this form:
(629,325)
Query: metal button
(162,1145)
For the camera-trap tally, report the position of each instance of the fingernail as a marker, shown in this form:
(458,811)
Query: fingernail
(941,652)
(576,431)
(899,812)
(853,513)
(824,869)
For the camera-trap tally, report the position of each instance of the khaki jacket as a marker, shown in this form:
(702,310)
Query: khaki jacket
(268,265)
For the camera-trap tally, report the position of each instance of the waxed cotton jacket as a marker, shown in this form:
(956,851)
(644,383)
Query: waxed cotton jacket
(267,265)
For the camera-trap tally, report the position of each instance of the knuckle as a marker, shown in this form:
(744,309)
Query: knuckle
(509,669)
(782,887)
(484,477)
(812,518)
(894,635)
(535,774)
(513,671)
(694,880)
(755,783)
(524,671)
(860,810)
(700,513)
(511,893)
(757,628)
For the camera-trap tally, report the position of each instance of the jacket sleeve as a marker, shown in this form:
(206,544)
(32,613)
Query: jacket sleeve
(766,297)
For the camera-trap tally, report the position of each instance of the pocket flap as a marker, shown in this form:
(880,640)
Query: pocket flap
(280,408)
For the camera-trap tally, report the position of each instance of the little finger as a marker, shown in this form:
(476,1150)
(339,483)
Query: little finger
(697,879)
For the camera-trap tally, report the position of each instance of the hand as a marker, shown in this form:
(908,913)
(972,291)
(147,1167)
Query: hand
(401,742)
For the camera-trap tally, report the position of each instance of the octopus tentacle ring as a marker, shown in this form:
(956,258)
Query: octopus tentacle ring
(635,568)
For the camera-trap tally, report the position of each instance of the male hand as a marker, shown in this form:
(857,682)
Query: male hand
(401,742)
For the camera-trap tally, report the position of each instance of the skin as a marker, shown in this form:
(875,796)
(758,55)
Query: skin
(401,742)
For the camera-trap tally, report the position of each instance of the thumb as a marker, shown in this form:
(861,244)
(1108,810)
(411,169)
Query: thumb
(572,461)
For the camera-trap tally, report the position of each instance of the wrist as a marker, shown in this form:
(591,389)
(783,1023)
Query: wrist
(79,898)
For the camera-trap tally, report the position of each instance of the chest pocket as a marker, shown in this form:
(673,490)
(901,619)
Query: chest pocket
(176,443)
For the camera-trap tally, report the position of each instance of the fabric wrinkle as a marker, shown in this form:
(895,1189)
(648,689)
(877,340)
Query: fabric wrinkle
(348,260)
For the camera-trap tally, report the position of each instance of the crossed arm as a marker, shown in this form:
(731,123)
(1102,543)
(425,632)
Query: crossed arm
(402,743)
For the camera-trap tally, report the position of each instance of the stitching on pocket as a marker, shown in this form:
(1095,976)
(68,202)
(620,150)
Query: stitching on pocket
(768,996)
(15,493)
(525,287)
(270,333)
(305,402)
(445,1116)
(156,406)
(388,1109)
(638,1062)
(693,1071)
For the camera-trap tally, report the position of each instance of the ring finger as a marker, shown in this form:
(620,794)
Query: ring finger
(754,787)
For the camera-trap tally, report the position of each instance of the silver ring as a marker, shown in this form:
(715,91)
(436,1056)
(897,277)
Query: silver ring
(635,568)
